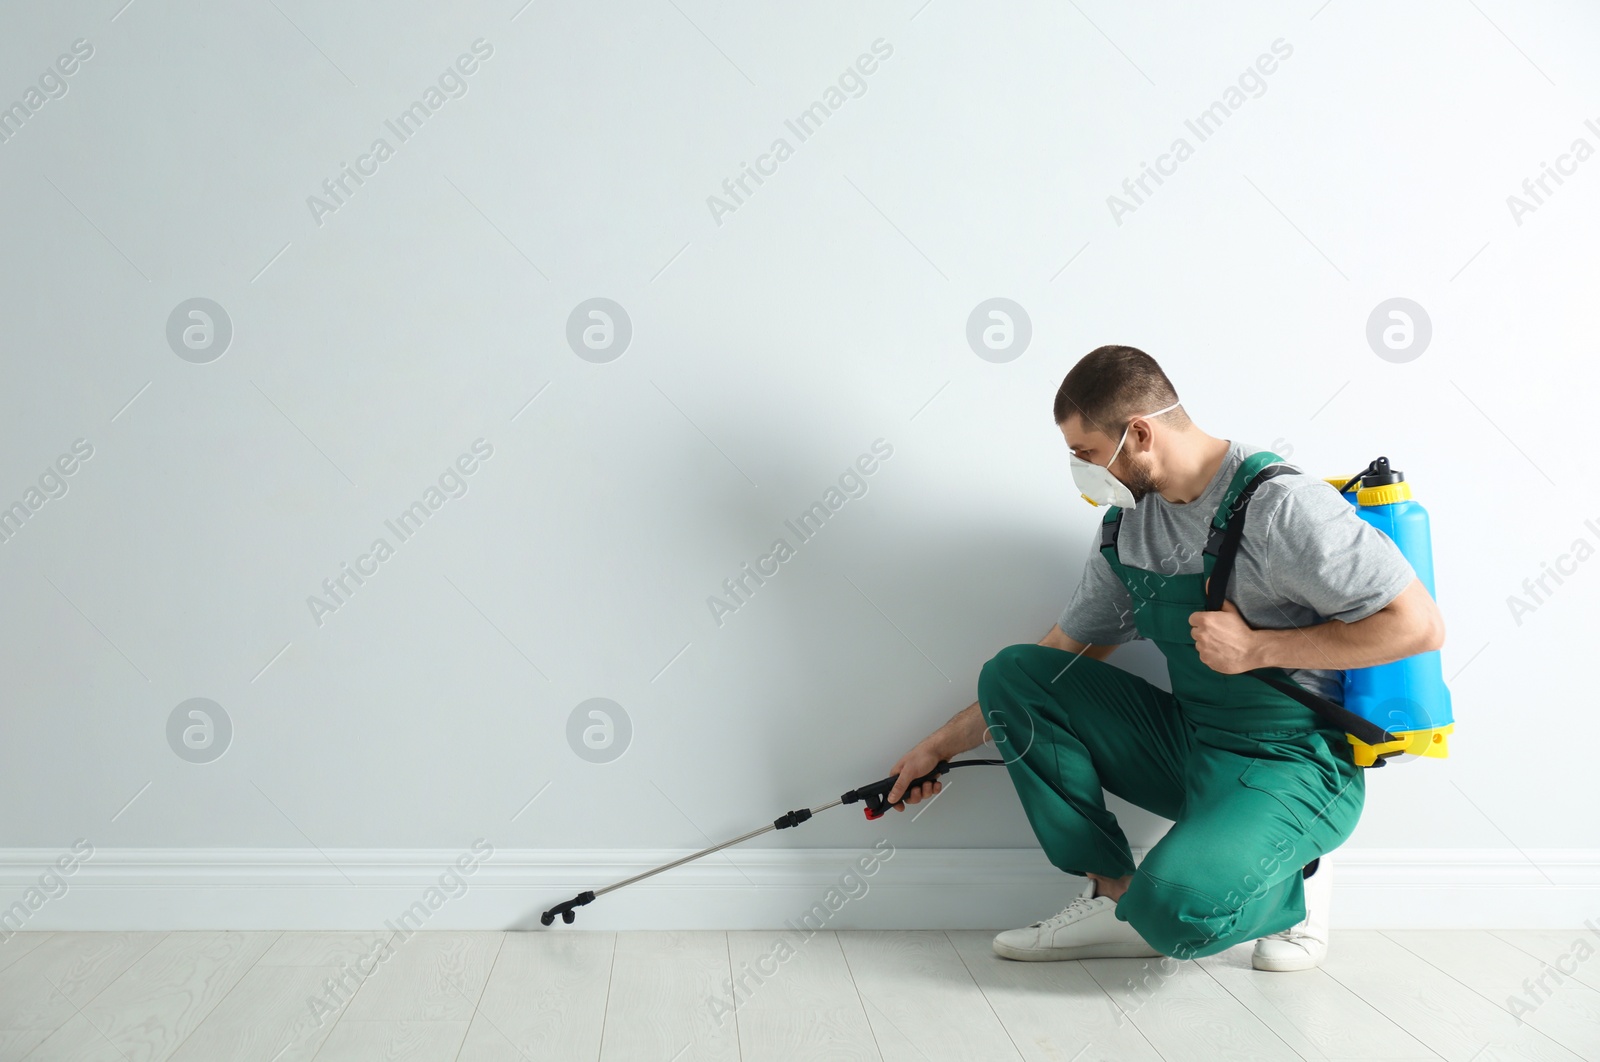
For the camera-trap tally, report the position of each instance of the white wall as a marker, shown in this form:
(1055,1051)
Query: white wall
(771,346)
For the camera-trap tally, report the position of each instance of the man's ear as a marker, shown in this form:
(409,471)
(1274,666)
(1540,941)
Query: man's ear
(1133,433)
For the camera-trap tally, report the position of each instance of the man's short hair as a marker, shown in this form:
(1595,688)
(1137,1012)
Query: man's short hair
(1111,385)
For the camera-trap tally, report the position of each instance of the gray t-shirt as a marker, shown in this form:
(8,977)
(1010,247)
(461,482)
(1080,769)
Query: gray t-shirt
(1305,558)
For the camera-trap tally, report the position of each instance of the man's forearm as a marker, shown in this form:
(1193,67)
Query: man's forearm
(965,730)
(1379,639)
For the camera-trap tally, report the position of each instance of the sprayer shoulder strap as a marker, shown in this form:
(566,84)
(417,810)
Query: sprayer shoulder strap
(1227,525)
(1222,549)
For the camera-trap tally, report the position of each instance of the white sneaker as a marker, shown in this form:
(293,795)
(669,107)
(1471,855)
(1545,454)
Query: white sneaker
(1087,929)
(1302,946)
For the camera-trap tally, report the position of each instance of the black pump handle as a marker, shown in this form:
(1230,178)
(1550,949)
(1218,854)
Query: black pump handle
(1378,466)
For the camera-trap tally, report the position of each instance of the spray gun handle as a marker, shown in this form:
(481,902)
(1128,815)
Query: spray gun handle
(876,795)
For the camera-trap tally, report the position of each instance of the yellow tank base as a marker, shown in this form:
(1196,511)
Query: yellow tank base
(1429,742)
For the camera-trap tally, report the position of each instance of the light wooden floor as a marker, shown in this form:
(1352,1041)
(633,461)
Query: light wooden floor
(566,994)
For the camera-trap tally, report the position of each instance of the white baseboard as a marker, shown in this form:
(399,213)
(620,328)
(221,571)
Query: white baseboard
(956,888)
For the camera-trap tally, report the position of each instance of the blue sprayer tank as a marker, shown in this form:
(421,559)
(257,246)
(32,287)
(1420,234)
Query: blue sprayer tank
(1406,697)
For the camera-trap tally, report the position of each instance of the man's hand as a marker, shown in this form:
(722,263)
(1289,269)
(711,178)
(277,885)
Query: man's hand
(913,765)
(1225,642)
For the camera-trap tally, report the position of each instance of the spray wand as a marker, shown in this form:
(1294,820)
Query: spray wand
(875,796)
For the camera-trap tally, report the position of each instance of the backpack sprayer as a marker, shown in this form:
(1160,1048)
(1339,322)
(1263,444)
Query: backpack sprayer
(1406,697)
(1389,709)
(875,796)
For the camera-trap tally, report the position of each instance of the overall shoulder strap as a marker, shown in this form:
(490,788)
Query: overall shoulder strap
(1110,524)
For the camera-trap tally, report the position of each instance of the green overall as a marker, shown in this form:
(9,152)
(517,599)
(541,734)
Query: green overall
(1256,784)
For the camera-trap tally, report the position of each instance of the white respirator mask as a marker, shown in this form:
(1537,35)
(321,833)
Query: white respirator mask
(1097,484)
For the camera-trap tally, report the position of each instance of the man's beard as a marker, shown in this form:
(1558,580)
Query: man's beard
(1139,481)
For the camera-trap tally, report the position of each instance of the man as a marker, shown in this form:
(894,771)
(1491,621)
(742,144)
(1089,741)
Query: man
(1259,786)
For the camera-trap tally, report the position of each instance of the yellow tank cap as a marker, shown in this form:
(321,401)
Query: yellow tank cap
(1336,483)
(1387,494)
